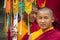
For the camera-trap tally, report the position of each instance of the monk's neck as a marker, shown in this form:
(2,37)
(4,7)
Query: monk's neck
(47,29)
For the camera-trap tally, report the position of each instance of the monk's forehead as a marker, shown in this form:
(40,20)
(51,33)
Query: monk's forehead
(45,12)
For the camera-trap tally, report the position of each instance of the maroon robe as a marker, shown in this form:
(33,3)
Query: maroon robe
(9,36)
(50,35)
(34,27)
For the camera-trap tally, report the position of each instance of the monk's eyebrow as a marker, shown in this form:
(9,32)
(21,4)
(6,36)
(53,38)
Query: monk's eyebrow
(39,17)
(33,12)
(46,17)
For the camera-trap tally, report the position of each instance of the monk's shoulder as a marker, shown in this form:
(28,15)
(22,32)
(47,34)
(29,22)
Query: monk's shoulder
(56,33)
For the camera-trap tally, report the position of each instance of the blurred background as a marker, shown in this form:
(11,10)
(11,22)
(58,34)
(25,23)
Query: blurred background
(3,35)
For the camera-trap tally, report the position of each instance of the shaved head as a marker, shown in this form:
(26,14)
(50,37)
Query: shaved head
(34,8)
(45,18)
(46,10)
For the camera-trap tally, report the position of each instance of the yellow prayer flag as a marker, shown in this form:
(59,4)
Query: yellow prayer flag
(28,6)
(15,6)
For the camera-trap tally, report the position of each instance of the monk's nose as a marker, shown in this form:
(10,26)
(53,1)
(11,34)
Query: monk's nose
(42,20)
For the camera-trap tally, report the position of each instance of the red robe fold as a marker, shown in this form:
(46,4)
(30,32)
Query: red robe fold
(49,35)
(34,27)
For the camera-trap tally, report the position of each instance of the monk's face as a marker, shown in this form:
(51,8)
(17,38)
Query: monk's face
(32,16)
(25,17)
(44,19)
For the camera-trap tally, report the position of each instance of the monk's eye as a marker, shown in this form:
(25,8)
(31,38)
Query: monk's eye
(33,12)
(40,17)
(45,17)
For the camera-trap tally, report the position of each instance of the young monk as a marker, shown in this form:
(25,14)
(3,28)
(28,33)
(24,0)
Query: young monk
(45,19)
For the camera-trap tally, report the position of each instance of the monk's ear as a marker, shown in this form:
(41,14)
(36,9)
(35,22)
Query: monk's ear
(53,19)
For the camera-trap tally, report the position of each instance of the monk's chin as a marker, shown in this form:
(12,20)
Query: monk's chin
(43,27)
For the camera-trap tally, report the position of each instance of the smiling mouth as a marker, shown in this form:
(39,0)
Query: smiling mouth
(43,25)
